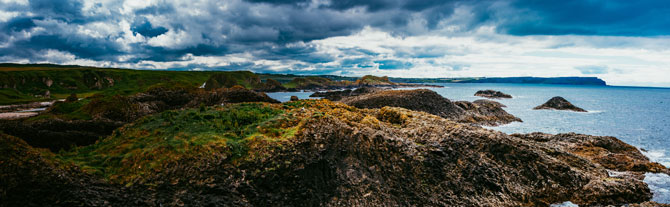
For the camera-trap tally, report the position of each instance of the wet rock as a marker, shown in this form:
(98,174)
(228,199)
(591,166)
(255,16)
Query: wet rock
(492,94)
(480,112)
(294,98)
(559,103)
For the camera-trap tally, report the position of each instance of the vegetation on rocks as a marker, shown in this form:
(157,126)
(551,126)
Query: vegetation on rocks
(82,122)
(317,152)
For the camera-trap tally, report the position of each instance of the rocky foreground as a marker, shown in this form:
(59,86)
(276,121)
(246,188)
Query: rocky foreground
(322,153)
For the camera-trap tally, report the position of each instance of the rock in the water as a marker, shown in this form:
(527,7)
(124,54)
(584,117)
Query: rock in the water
(492,94)
(479,112)
(559,103)
(294,98)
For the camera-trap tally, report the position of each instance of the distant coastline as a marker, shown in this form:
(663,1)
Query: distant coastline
(522,80)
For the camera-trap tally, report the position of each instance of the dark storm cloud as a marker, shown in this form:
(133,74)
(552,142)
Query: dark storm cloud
(66,10)
(282,29)
(144,27)
(596,17)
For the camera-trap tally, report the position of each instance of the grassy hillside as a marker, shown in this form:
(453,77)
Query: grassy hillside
(40,82)
(139,151)
(45,82)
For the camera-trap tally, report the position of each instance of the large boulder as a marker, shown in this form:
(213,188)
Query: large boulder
(559,103)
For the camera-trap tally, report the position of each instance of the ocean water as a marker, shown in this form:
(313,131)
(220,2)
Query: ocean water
(637,116)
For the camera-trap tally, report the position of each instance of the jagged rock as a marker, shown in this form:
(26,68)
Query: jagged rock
(559,103)
(485,112)
(294,98)
(609,152)
(492,94)
(482,112)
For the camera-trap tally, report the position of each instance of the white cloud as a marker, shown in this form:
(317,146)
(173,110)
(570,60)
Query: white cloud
(504,55)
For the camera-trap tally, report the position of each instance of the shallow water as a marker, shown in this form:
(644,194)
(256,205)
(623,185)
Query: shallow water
(638,116)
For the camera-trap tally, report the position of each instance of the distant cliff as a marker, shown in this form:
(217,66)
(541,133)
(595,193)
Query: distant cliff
(532,80)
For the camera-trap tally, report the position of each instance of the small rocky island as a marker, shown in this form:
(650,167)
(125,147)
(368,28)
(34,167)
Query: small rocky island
(559,103)
(492,94)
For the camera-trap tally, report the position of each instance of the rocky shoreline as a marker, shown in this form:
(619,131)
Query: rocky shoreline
(344,156)
(232,146)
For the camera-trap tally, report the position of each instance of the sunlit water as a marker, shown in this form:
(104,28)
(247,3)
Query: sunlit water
(638,116)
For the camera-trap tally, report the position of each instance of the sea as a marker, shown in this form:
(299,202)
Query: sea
(639,116)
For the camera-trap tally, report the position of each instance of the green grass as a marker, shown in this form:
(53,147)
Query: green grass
(142,149)
(86,82)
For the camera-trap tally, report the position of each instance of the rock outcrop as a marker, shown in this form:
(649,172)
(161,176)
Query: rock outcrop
(340,94)
(320,153)
(485,112)
(606,151)
(492,94)
(271,85)
(479,112)
(559,103)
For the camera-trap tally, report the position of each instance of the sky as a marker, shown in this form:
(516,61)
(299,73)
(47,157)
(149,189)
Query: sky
(620,41)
